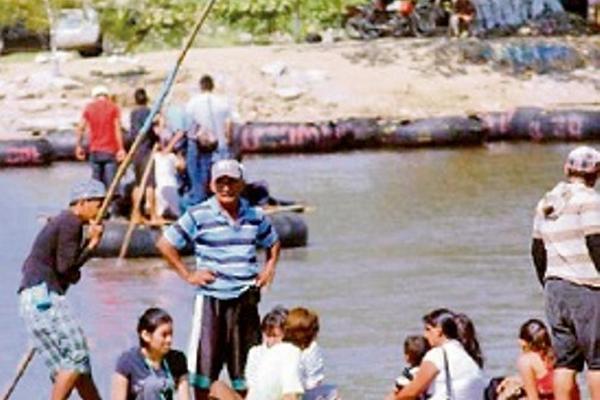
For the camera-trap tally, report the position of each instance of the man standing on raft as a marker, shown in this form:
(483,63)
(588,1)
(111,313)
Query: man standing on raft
(52,266)
(225,232)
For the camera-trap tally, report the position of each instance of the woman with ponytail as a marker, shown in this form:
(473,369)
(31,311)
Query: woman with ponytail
(448,370)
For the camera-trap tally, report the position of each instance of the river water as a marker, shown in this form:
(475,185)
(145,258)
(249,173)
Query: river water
(392,235)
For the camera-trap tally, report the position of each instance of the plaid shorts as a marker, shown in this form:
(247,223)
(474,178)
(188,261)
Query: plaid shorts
(56,334)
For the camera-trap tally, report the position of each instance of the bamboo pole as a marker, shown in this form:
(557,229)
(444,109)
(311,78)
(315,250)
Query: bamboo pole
(138,203)
(25,360)
(290,208)
(153,111)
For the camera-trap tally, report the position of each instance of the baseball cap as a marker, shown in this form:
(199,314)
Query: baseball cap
(583,159)
(99,90)
(87,190)
(230,168)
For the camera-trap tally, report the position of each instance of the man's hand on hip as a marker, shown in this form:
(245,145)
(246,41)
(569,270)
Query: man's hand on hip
(200,278)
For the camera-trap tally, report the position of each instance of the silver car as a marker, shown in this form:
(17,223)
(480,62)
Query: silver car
(79,29)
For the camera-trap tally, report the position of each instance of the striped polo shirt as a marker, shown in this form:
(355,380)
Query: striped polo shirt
(564,217)
(226,247)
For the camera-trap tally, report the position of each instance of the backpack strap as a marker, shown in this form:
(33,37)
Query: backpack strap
(449,394)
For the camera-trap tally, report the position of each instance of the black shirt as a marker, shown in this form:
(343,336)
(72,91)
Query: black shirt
(137,118)
(56,255)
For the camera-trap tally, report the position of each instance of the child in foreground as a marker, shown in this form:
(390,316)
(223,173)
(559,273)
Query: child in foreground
(415,348)
(274,369)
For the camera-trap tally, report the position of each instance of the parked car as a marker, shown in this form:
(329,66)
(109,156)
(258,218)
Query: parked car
(75,29)
(79,29)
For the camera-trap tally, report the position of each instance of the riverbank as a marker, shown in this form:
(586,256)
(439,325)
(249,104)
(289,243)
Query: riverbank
(411,78)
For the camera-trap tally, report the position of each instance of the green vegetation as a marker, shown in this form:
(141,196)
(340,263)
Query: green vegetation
(166,22)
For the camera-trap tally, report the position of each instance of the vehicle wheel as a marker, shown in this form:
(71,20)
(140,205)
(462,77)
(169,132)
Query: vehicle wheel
(400,27)
(423,24)
(359,29)
(91,52)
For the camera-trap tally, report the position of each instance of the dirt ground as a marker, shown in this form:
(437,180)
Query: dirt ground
(408,78)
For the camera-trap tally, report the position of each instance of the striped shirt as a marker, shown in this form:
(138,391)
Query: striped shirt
(227,248)
(564,217)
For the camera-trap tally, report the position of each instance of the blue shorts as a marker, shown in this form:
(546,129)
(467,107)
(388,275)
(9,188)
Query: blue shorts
(56,334)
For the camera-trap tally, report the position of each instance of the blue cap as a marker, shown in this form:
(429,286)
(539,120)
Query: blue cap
(90,189)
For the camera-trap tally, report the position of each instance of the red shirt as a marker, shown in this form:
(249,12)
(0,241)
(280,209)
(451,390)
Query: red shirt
(100,116)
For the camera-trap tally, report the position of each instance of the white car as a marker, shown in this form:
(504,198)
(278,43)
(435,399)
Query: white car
(79,29)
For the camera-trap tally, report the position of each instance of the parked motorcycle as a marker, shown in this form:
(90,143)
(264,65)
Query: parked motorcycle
(400,19)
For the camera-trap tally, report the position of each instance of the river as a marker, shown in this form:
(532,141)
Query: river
(392,236)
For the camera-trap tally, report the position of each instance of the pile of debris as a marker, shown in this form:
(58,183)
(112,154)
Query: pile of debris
(526,17)
(518,56)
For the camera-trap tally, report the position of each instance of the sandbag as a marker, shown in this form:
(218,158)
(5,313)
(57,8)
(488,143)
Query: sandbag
(25,153)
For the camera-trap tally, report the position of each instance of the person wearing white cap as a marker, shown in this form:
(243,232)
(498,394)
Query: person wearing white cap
(54,264)
(102,119)
(209,137)
(225,232)
(566,255)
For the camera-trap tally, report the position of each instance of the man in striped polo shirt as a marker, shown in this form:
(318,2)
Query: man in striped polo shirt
(225,232)
(566,255)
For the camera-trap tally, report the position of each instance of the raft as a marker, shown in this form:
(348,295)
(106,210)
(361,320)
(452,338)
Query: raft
(291,228)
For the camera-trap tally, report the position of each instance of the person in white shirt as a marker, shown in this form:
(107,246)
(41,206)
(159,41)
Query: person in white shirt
(167,166)
(272,326)
(448,370)
(273,368)
(209,137)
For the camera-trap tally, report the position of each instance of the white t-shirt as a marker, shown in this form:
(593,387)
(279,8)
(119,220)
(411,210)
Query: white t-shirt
(211,112)
(273,372)
(165,176)
(466,376)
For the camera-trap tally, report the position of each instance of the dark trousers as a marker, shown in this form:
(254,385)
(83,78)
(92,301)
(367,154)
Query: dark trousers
(198,168)
(104,167)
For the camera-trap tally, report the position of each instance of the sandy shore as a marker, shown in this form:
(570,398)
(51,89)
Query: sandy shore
(388,78)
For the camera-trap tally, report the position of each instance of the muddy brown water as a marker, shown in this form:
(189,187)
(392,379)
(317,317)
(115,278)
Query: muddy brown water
(393,235)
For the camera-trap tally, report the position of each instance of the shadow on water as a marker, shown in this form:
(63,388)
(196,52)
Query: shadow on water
(393,235)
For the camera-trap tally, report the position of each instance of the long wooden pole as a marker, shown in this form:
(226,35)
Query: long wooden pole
(138,203)
(27,357)
(153,111)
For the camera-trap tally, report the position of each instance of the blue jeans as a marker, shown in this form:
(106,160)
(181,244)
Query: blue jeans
(104,167)
(198,168)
